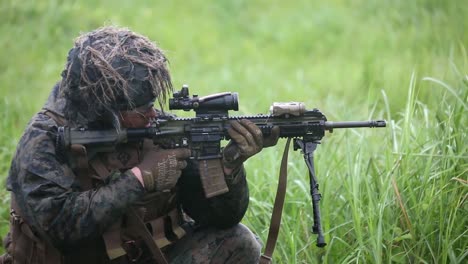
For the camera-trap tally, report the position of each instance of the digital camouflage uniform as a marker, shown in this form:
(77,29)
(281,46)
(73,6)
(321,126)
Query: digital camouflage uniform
(53,203)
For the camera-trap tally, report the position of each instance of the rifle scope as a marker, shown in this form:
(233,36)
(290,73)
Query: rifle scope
(214,102)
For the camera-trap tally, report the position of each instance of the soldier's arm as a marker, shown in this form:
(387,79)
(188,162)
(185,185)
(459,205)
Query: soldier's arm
(50,198)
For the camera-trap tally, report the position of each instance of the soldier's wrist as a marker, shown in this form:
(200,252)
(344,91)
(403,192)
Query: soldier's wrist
(137,173)
(231,161)
(233,176)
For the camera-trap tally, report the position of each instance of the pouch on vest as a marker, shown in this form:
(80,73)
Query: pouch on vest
(26,247)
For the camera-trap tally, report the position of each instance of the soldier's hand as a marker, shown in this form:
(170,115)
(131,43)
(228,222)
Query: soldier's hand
(161,168)
(246,140)
(272,139)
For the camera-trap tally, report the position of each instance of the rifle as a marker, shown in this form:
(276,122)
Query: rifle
(204,132)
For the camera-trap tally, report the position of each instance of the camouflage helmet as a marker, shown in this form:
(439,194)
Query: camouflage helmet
(109,70)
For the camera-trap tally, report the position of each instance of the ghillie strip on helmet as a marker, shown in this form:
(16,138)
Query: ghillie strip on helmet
(109,70)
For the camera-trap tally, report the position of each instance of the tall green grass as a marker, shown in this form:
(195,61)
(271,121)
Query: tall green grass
(393,195)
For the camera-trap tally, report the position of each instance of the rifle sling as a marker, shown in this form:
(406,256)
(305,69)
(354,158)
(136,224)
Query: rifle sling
(277,208)
(144,234)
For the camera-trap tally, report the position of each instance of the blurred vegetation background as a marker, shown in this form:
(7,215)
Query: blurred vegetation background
(394,195)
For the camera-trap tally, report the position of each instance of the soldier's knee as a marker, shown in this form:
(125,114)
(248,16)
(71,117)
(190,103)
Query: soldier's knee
(246,242)
(229,246)
(6,259)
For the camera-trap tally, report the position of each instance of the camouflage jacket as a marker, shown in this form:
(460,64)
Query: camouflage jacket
(52,201)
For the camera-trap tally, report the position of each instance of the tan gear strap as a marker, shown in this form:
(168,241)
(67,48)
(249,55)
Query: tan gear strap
(158,232)
(60,120)
(212,177)
(158,227)
(277,208)
(142,232)
(100,169)
(113,242)
(175,220)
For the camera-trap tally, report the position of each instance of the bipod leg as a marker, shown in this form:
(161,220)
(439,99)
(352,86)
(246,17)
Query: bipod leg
(308,148)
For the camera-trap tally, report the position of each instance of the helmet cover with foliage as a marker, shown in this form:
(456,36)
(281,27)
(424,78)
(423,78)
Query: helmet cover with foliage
(109,70)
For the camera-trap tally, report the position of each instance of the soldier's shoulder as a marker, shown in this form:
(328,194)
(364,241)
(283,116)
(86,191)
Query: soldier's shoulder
(40,131)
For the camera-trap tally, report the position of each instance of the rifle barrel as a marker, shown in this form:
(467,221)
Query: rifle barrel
(348,124)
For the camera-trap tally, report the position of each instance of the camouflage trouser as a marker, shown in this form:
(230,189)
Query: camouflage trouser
(199,246)
(209,245)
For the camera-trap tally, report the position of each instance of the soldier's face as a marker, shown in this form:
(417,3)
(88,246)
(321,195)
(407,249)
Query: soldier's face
(140,117)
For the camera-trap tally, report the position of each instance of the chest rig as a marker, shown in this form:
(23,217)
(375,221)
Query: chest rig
(153,222)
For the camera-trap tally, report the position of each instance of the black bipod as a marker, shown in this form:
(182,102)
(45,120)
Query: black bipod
(308,147)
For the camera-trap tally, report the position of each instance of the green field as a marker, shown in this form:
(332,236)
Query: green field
(393,195)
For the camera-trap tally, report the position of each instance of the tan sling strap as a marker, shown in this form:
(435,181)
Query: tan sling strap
(141,231)
(212,177)
(277,208)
